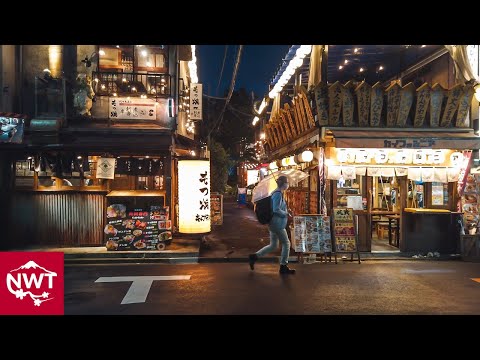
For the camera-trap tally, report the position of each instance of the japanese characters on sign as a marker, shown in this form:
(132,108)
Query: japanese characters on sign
(194,196)
(344,230)
(137,229)
(131,108)
(196,91)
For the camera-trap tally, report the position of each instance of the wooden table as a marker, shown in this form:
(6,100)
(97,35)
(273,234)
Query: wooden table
(397,232)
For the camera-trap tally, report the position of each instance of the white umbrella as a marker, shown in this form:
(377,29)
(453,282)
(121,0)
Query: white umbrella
(265,187)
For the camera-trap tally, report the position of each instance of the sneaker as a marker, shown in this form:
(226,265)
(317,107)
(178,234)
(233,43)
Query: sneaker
(251,260)
(284,269)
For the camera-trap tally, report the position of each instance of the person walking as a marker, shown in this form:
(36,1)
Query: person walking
(277,226)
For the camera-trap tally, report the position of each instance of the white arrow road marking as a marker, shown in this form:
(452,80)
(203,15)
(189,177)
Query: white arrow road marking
(138,291)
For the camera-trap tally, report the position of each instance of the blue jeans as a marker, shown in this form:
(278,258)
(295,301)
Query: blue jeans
(277,233)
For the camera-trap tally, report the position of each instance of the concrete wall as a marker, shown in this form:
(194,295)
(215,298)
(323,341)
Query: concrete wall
(8,82)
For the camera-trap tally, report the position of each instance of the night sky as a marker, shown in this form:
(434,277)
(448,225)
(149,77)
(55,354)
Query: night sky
(258,65)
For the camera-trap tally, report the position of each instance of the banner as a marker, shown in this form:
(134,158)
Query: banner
(132,108)
(196,94)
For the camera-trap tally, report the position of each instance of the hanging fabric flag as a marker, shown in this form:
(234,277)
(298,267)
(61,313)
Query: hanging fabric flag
(360,171)
(388,172)
(373,171)
(440,175)
(401,171)
(452,174)
(414,174)
(348,172)
(334,172)
(427,174)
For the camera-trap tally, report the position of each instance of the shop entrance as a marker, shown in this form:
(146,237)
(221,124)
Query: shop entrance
(385,214)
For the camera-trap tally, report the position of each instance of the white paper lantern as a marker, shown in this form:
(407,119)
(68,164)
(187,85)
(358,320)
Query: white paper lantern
(194,196)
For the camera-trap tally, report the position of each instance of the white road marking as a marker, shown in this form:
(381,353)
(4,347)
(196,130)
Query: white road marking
(427,271)
(138,291)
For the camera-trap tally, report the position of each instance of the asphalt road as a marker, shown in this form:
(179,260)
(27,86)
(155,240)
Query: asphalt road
(370,288)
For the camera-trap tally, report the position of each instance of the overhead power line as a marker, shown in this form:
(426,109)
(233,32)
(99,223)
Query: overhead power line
(221,72)
(230,92)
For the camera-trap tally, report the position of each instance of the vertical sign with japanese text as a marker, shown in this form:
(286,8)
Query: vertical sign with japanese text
(196,91)
(344,230)
(194,196)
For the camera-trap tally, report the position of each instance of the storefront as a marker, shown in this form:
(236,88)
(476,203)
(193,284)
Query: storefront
(395,139)
(107,176)
(405,198)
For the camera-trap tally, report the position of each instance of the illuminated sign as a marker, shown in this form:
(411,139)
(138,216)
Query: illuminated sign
(194,196)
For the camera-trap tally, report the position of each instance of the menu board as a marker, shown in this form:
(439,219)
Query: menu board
(137,229)
(216,209)
(311,233)
(344,230)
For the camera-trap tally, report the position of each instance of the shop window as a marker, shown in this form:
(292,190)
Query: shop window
(416,191)
(116,58)
(349,191)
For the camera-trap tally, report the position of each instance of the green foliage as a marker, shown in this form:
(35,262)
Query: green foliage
(219,163)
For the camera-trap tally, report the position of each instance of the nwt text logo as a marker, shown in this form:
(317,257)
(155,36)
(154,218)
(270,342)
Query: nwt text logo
(33,283)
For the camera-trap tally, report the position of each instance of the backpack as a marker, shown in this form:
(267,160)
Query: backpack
(263,210)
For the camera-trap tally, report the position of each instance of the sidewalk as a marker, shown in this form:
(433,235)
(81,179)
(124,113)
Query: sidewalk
(239,235)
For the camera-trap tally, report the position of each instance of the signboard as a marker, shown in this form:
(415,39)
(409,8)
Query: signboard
(344,230)
(137,229)
(311,234)
(194,196)
(437,193)
(216,208)
(196,94)
(132,108)
(11,130)
(106,168)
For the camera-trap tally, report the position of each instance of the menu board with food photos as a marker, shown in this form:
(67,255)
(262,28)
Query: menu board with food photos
(137,229)
(311,234)
(344,230)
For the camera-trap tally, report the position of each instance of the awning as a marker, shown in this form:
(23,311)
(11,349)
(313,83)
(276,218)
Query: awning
(405,139)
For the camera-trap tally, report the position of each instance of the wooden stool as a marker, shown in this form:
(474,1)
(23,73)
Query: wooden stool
(382,230)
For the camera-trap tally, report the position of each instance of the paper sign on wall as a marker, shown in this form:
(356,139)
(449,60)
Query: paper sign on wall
(106,168)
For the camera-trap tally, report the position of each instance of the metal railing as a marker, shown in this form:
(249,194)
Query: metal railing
(131,84)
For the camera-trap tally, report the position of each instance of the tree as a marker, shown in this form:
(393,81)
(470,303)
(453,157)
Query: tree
(220,164)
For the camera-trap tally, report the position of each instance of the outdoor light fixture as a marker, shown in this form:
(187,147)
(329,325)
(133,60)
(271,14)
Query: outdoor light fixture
(295,63)
(346,62)
(306,156)
(101,53)
(362,69)
(192,65)
(144,53)
(340,67)
(355,50)
(380,68)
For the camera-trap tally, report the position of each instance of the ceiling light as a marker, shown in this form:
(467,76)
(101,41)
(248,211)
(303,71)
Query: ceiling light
(101,53)
(423,46)
(346,62)
(362,69)
(340,67)
(355,50)
(380,68)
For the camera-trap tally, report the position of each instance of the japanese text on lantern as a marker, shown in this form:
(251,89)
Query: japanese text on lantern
(203,202)
(196,91)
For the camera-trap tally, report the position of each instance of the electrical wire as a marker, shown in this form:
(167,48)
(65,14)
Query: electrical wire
(230,92)
(221,72)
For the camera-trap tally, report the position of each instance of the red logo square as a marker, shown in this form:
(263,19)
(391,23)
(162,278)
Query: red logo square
(31,283)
